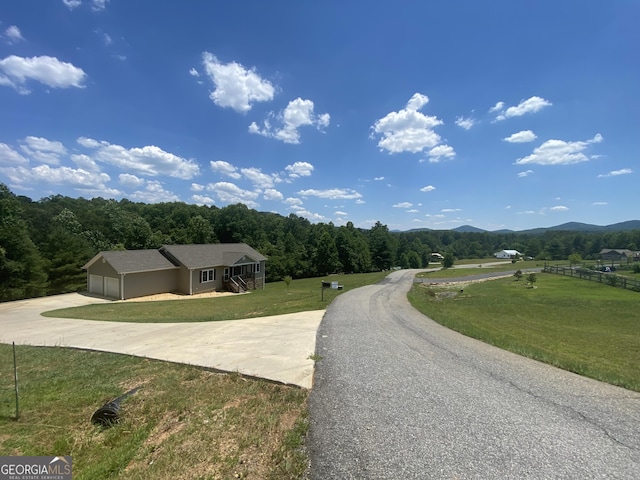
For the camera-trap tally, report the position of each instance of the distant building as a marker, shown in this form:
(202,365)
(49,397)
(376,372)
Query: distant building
(436,257)
(618,255)
(507,254)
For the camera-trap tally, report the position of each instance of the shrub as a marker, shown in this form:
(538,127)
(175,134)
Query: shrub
(518,275)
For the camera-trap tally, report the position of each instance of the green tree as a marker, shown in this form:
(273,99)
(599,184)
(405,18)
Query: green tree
(381,245)
(22,269)
(448,260)
(326,255)
(574,259)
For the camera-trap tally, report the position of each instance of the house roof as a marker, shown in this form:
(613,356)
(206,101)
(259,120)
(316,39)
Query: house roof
(212,255)
(620,251)
(511,252)
(132,261)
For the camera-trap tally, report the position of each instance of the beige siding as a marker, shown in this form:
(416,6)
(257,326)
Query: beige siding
(149,283)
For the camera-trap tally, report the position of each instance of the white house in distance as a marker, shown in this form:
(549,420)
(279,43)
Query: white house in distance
(507,254)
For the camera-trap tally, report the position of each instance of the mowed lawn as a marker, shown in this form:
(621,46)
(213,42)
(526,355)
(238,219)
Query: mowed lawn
(585,327)
(276,299)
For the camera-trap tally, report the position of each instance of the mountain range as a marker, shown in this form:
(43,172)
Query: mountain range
(566,227)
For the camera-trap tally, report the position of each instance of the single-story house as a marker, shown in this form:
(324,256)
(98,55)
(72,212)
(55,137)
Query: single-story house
(436,257)
(509,254)
(618,255)
(185,269)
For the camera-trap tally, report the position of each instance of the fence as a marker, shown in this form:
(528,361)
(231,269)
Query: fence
(595,276)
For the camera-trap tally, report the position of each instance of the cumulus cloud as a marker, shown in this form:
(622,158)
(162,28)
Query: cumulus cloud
(16,71)
(299,169)
(450,210)
(407,130)
(43,150)
(149,160)
(466,123)
(403,205)
(559,152)
(225,168)
(26,177)
(230,193)
(8,156)
(260,179)
(615,173)
(99,5)
(436,154)
(559,208)
(194,73)
(530,105)
(428,188)
(235,86)
(526,173)
(332,194)
(523,136)
(202,200)
(272,194)
(600,203)
(298,113)
(72,3)
(13,34)
(131,181)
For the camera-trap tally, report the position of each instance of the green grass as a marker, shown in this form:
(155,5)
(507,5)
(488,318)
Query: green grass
(276,299)
(478,268)
(184,422)
(584,327)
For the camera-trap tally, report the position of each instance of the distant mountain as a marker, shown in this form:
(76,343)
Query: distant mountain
(565,227)
(468,228)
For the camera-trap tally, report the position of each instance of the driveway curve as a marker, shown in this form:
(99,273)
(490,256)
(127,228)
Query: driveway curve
(276,348)
(396,395)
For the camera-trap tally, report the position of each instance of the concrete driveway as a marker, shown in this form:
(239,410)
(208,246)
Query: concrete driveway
(275,348)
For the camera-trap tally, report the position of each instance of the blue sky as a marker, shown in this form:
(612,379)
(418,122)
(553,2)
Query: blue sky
(417,114)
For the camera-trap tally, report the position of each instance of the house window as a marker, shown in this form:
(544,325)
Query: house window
(207,275)
(257,270)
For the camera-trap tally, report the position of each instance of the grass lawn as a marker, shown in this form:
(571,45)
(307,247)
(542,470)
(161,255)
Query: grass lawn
(585,327)
(184,422)
(479,267)
(276,299)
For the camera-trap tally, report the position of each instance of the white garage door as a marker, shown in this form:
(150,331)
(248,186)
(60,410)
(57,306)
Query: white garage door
(96,284)
(112,287)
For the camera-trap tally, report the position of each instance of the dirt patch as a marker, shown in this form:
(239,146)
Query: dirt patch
(177,296)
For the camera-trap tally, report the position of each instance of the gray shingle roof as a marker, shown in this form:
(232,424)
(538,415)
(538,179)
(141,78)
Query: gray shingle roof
(212,255)
(131,261)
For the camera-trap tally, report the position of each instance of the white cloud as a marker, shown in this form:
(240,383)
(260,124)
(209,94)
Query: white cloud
(559,208)
(196,187)
(8,156)
(497,107)
(14,34)
(230,193)
(154,192)
(440,152)
(407,130)
(259,179)
(521,137)
(149,160)
(299,169)
(202,200)
(615,173)
(225,168)
(600,203)
(72,3)
(403,205)
(298,113)
(194,73)
(57,176)
(43,150)
(378,179)
(450,210)
(106,38)
(235,86)
(99,5)
(130,181)
(332,194)
(16,71)
(559,152)
(293,202)
(466,123)
(272,194)
(428,188)
(526,173)
(530,105)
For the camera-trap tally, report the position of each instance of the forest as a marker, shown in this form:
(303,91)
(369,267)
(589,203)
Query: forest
(44,243)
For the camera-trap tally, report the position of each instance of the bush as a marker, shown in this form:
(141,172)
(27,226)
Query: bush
(518,275)
(636,268)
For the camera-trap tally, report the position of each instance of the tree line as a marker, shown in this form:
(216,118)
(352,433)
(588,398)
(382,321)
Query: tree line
(45,243)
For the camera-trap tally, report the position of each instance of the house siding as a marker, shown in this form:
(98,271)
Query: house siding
(149,283)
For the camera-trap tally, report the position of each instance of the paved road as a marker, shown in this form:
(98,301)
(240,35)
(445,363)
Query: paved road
(399,396)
